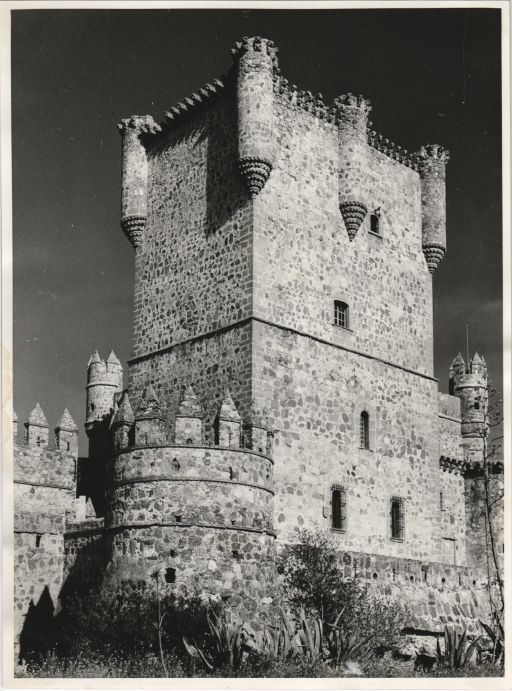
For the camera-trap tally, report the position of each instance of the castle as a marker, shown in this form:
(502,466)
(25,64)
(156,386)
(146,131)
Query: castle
(282,368)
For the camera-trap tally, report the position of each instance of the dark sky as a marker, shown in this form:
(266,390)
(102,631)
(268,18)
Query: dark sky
(433,76)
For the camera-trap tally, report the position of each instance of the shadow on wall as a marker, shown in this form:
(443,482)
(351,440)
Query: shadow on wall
(44,622)
(225,192)
(38,634)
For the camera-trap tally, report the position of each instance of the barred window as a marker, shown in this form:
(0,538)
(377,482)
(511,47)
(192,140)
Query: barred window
(340,314)
(397,518)
(338,508)
(364,430)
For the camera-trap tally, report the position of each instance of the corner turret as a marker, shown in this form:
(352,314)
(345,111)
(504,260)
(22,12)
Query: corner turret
(432,169)
(104,380)
(135,175)
(256,60)
(66,434)
(351,117)
(37,430)
(457,370)
(470,385)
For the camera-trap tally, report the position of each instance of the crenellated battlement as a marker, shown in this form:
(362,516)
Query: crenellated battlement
(190,104)
(256,44)
(138,124)
(148,427)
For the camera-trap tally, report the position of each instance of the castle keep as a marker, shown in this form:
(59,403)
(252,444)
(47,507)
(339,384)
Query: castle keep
(282,367)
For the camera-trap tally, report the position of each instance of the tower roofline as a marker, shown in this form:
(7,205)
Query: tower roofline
(305,100)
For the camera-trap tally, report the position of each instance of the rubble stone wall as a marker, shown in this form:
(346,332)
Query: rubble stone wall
(219,361)
(198,516)
(315,394)
(304,259)
(195,262)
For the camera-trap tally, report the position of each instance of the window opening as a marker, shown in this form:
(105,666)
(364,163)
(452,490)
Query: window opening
(338,508)
(364,430)
(38,540)
(340,314)
(397,518)
(375,224)
(441,501)
(170,575)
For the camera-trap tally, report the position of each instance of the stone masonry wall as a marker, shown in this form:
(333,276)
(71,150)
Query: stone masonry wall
(315,394)
(201,517)
(316,391)
(85,555)
(44,494)
(304,259)
(193,271)
(476,537)
(194,264)
(436,594)
(38,562)
(211,365)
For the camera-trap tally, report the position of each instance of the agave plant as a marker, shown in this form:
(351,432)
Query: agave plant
(341,646)
(232,641)
(310,636)
(497,636)
(279,641)
(290,639)
(456,655)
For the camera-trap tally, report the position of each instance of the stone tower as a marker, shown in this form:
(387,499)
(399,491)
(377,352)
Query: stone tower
(285,251)
(104,385)
(470,385)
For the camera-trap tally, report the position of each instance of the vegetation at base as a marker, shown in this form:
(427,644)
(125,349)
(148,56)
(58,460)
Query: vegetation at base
(324,626)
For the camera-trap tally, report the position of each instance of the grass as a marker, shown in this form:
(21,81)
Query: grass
(150,666)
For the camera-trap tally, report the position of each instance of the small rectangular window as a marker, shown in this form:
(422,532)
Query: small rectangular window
(397,519)
(340,314)
(375,224)
(338,508)
(441,501)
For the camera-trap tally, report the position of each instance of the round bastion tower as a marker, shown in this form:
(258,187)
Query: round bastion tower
(470,385)
(200,517)
(104,383)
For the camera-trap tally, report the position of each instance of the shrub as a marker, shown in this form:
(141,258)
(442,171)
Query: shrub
(126,622)
(312,578)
